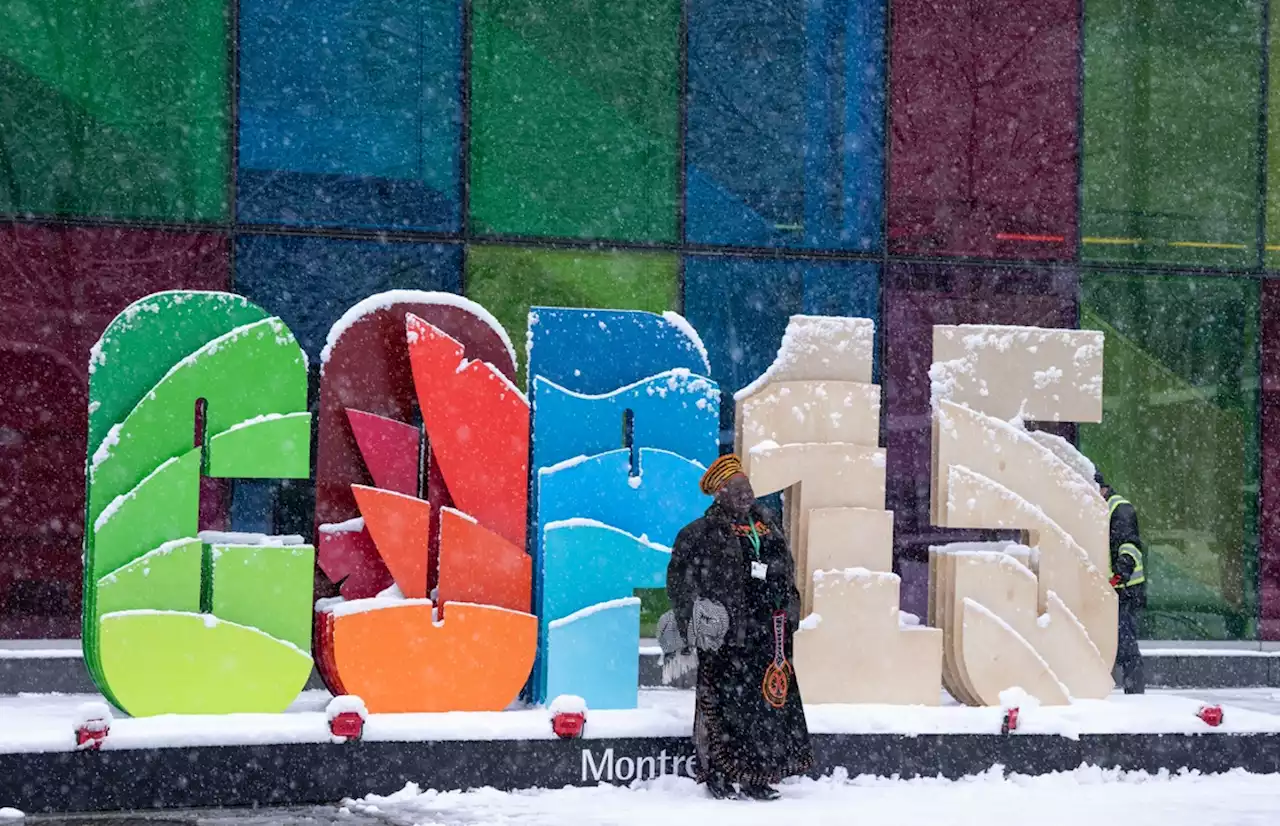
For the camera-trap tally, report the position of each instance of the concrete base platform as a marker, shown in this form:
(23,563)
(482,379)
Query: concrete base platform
(313,773)
(291,759)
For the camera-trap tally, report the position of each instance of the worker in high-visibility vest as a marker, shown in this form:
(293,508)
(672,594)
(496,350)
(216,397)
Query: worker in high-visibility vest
(1129,579)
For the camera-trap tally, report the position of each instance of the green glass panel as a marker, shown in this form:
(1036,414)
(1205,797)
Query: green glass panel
(508,280)
(116,109)
(1171,155)
(1179,439)
(1273,141)
(574,118)
(267,588)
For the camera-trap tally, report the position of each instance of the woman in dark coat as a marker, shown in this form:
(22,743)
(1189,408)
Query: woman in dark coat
(749,725)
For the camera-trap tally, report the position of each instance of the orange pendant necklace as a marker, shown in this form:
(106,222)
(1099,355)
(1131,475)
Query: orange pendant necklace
(777,677)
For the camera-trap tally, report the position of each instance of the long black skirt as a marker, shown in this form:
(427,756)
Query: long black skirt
(737,733)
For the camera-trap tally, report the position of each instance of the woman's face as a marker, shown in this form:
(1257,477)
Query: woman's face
(737,495)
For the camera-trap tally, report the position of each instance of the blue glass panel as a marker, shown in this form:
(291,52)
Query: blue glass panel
(740,308)
(350,113)
(311,282)
(785,137)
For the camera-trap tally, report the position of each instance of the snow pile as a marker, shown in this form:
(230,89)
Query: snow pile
(39,723)
(347,607)
(1067,452)
(810,622)
(682,324)
(103,453)
(343,704)
(863,576)
(93,716)
(584,522)
(144,561)
(1084,491)
(567,704)
(678,380)
(591,610)
(1017,697)
(964,351)
(354,525)
(9,814)
(1026,513)
(1085,795)
(819,347)
(114,506)
(238,538)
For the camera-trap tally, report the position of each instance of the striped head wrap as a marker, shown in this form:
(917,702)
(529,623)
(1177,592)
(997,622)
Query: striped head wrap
(719,474)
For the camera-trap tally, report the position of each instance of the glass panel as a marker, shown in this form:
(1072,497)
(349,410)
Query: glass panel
(916,298)
(311,282)
(985,112)
(1269,517)
(58,291)
(1171,96)
(740,308)
(350,112)
(114,109)
(574,118)
(1180,406)
(1273,139)
(785,135)
(508,280)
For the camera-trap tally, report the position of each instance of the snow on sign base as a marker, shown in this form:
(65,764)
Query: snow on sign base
(290,759)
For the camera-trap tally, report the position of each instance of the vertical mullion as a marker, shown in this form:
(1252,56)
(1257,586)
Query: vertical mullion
(1264,92)
(682,94)
(464,136)
(1078,241)
(883,280)
(233,138)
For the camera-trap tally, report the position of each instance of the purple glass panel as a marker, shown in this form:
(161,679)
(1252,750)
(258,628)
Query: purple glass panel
(916,298)
(1269,517)
(59,288)
(984,112)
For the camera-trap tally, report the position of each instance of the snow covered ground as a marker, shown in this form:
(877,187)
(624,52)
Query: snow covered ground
(1084,797)
(45,722)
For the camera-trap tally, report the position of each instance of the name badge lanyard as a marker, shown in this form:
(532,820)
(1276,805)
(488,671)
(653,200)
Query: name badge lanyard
(755,552)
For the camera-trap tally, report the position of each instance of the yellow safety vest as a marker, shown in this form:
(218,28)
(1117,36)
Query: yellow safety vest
(1127,549)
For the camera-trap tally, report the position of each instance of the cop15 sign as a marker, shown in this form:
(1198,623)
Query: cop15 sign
(488,541)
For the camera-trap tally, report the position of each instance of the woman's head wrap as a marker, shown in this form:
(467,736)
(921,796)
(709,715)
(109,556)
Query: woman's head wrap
(719,474)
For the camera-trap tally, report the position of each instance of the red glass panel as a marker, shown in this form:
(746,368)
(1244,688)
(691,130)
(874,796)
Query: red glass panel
(1269,516)
(984,112)
(59,288)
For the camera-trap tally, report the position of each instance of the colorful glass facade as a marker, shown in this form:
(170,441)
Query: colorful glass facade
(1108,164)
